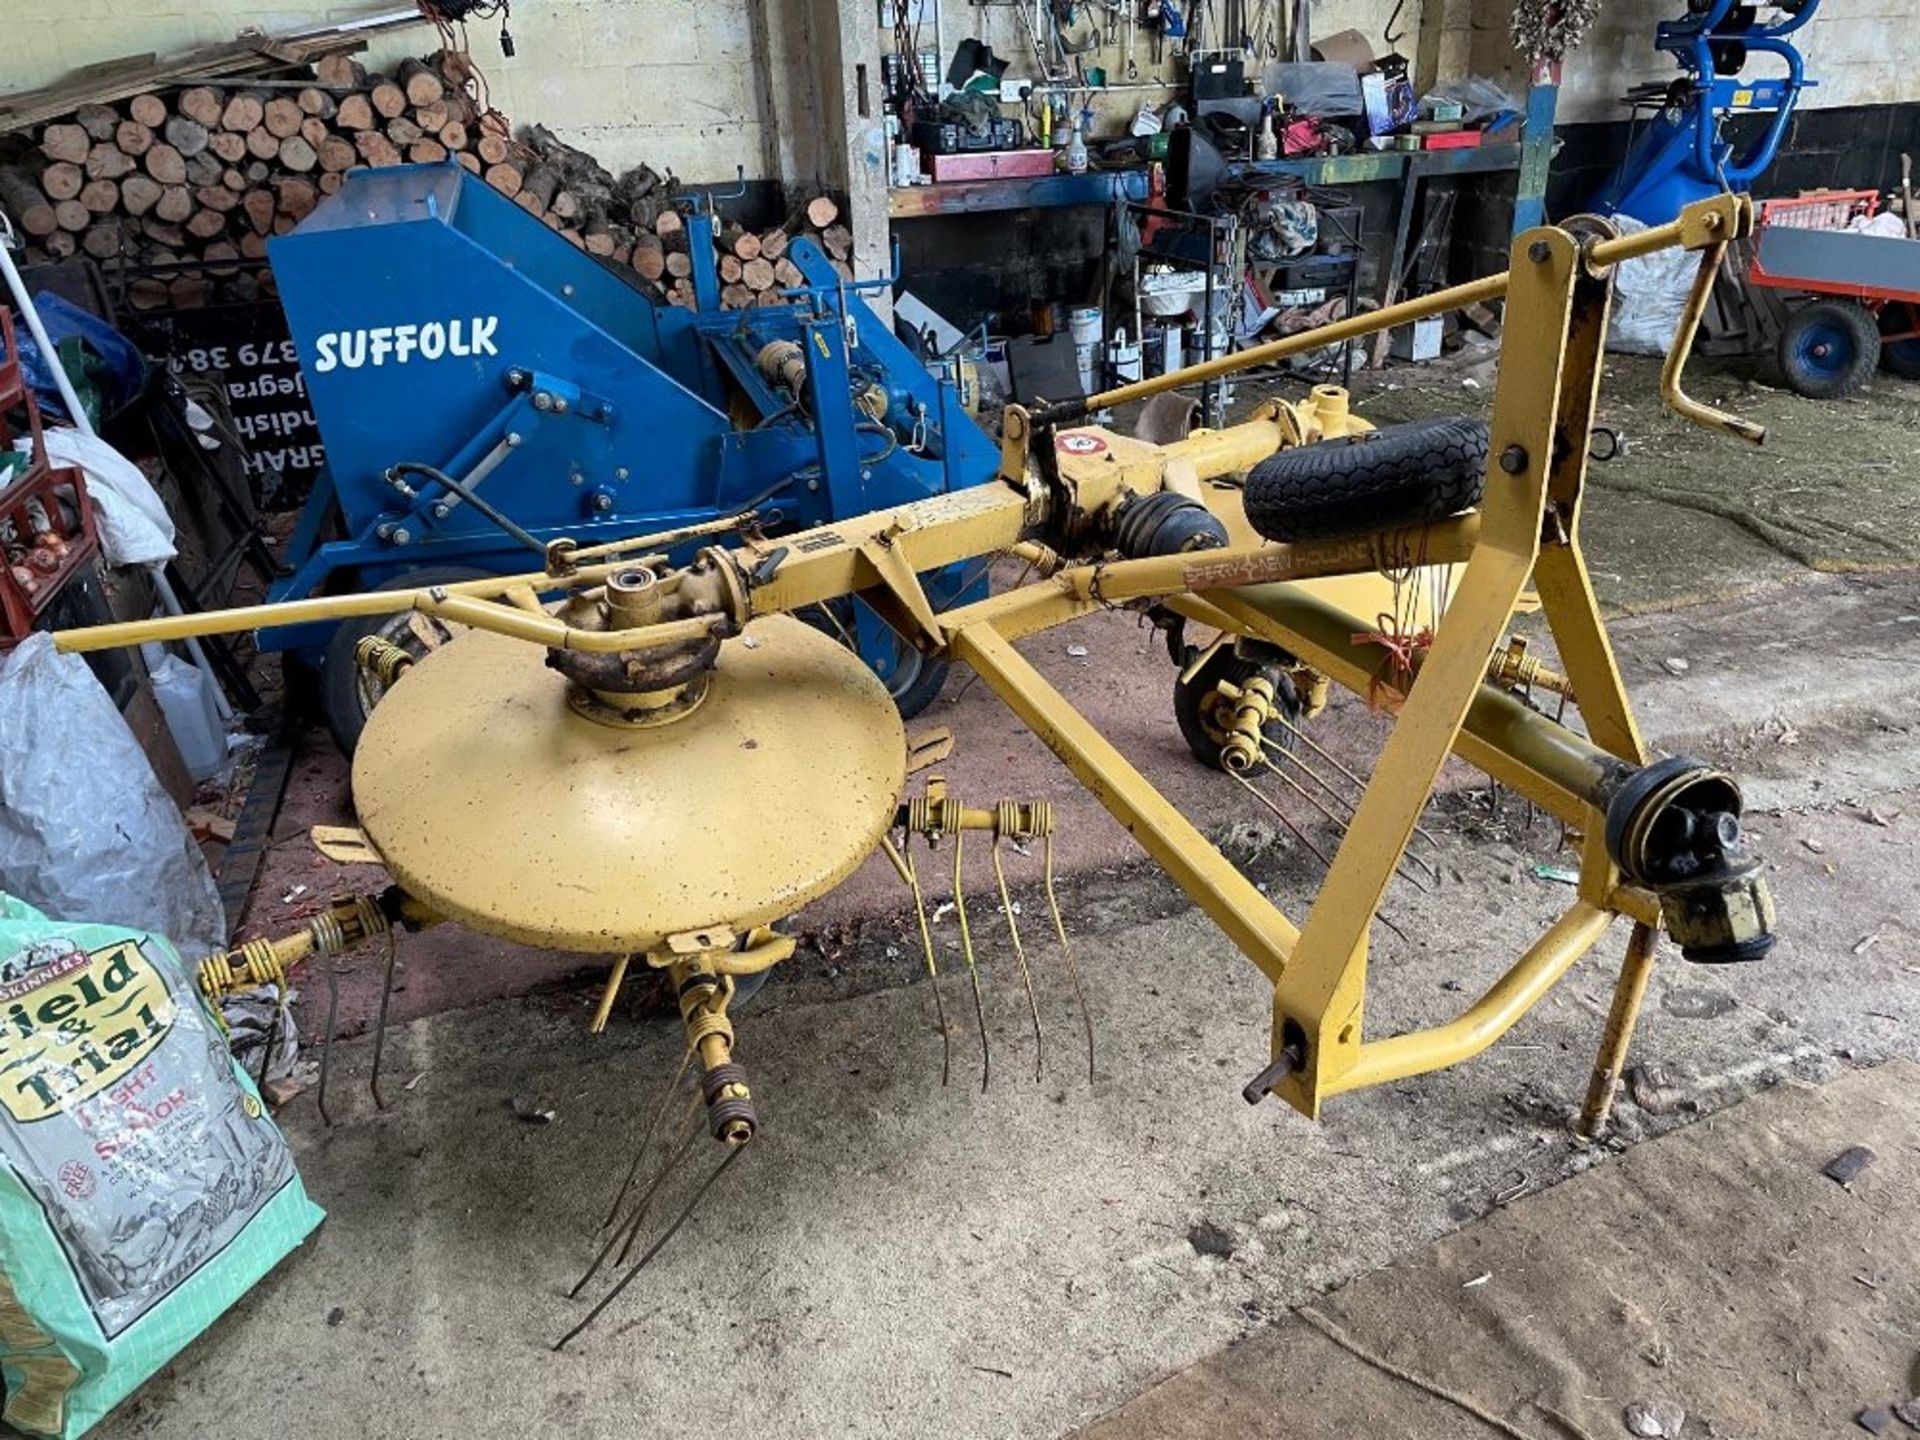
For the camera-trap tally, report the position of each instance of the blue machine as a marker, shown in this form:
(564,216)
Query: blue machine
(1680,156)
(439,324)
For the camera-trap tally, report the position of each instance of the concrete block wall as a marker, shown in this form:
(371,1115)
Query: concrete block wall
(695,87)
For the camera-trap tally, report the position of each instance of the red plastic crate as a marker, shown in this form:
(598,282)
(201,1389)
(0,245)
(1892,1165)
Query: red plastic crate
(46,516)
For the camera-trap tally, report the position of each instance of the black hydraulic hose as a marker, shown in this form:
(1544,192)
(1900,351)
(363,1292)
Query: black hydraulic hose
(471,496)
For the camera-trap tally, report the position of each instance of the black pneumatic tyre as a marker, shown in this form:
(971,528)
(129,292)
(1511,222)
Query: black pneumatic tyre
(1197,705)
(1401,475)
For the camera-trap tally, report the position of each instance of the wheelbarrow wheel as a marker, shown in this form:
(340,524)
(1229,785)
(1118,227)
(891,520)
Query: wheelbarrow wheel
(1829,348)
(347,693)
(1399,475)
(1205,716)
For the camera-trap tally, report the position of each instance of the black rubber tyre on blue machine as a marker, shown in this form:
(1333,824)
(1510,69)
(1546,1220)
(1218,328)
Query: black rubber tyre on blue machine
(347,695)
(1395,477)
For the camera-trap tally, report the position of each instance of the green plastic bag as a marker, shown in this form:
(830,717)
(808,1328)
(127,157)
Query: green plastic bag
(142,1187)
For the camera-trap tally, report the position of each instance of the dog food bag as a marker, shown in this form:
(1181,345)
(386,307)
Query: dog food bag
(142,1187)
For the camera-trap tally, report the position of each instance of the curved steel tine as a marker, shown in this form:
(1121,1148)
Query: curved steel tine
(733,1153)
(966,949)
(624,1232)
(902,860)
(1286,820)
(1342,826)
(380,1026)
(1331,759)
(326,1045)
(691,1132)
(1019,954)
(274,1018)
(660,1108)
(1066,950)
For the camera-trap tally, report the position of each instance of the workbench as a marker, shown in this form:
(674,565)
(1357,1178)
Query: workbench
(1410,168)
(1021,192)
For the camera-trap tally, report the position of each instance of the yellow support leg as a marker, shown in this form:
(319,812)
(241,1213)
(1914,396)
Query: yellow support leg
(1628,995)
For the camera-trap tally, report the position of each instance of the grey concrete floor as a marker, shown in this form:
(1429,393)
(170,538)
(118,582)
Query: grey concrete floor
(895,1258)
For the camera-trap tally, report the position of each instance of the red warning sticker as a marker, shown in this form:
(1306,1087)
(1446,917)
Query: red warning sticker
(1078,442)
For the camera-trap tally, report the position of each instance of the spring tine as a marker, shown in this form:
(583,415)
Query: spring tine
(1300,835)
(1286,754)
(626,1229)
(732,1154)
(902,858)
(966,949)
(1066,950)
(660,1108)
(380,1026)
(690,1132)
(326,1045)
(1326,755)
(1284,818)
(1019,954)
(273,1032)
(1342,826)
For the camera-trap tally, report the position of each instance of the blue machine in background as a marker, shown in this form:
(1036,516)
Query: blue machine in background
(1680,156)
(440,325)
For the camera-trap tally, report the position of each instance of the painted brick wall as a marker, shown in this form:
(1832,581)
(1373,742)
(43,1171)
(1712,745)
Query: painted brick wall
(1859,51)
(665,81)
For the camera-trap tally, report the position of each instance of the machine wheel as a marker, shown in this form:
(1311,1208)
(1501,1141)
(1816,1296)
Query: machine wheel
(1901,357)
(917,682)
(349,695)
(1829,348)
(1382,479)
(1197,702)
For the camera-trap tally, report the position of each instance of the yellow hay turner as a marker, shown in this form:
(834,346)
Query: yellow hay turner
(657,763)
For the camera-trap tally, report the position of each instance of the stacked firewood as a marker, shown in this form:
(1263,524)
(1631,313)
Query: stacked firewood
(639,221)
(185,186)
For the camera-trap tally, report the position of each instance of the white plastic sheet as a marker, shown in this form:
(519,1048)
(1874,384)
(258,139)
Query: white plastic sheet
(135,528)
(86,831)
(1649,294)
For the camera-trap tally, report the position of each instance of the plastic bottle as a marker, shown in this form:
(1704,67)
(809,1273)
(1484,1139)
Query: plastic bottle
(1077,148)
(185,693)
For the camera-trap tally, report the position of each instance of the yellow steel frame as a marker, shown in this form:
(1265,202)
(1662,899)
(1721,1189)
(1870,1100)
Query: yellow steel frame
(1527,528)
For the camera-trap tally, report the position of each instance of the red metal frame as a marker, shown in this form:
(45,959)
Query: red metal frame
(1828,210)
(56,488)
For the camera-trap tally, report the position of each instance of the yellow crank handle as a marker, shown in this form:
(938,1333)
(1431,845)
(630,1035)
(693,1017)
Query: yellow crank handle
(1677,399)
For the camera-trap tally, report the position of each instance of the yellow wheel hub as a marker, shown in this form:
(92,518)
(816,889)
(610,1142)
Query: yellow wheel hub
(498,804)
